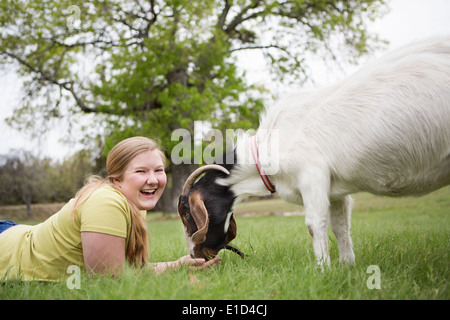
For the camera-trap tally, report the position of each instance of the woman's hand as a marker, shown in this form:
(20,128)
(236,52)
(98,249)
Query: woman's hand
(194,264)
(198,264)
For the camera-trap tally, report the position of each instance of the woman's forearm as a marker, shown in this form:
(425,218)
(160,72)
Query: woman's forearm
(160,267)
(194,264)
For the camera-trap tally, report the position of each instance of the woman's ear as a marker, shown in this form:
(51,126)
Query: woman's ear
(116,182)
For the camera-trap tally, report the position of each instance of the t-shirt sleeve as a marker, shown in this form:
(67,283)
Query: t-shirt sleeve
(106,211)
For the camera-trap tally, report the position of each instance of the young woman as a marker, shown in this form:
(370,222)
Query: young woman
(101,229)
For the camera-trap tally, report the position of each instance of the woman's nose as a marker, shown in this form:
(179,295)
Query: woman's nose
(151,179)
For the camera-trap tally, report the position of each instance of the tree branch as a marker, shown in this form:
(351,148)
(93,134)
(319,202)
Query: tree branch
(240,17)
(223,15)
(259,47)
(69,87)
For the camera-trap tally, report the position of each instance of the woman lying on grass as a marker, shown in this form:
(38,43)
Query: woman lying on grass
(101,229)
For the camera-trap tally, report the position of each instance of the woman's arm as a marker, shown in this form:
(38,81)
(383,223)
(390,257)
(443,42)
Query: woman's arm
(195,264)
(103,253)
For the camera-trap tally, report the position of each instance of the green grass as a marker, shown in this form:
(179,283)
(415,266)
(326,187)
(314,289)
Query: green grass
(408,239)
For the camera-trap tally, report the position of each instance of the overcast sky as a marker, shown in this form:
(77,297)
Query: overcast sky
(408,20)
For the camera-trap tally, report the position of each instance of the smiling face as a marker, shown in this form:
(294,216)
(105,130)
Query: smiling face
(143,180)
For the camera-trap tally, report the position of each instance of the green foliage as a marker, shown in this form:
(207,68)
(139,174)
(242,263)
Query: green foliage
(27,179)
(150,67)
(153,66)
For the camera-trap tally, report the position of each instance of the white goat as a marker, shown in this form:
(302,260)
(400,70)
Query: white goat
(384,130)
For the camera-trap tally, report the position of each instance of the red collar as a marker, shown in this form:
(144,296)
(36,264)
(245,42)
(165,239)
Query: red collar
(262,174)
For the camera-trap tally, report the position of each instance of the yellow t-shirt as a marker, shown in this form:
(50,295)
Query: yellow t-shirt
(46,250)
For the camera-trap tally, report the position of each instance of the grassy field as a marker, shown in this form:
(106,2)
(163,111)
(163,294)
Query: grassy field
(407,239)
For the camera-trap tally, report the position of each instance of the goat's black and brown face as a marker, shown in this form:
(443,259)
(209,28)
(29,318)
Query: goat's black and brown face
(206,212)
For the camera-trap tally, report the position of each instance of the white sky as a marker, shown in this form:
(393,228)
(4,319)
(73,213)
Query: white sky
(408,20)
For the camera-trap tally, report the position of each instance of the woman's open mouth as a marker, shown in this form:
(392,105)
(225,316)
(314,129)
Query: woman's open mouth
(148,193)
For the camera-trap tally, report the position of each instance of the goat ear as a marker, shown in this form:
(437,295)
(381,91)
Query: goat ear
(232,230)
(180,211)
(200,216)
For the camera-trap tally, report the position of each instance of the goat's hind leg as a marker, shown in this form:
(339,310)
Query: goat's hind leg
(340,215)
(313,187)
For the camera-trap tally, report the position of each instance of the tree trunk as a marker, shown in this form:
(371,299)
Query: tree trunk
(27,199)
(177,174)
(175,181)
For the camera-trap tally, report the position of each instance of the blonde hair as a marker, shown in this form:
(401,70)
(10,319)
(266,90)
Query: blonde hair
(116,162)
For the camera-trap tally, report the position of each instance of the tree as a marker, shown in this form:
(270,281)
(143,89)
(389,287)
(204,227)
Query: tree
(150,67)
(68,176)
(20,179)
(27,179)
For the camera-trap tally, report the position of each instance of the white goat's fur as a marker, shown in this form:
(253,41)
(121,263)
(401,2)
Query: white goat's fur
(384,130)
